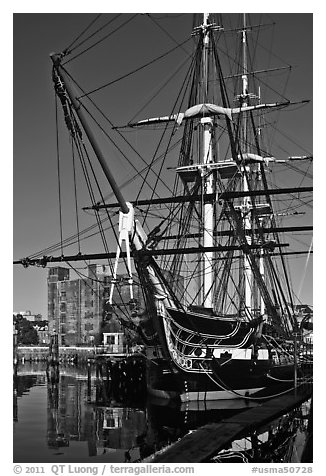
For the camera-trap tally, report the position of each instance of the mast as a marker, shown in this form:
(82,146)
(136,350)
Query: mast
(208,179)
(261,222)
(262,272)
(246,171)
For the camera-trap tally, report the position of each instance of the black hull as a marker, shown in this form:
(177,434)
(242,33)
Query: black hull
(222,360)
(238,380)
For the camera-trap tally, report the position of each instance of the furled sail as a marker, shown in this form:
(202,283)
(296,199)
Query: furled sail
(204,110)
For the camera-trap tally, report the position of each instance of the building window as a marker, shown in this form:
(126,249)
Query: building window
(110,340)
(89,327)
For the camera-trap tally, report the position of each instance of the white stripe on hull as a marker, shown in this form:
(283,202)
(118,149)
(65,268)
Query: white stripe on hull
(199,406)
(218,394)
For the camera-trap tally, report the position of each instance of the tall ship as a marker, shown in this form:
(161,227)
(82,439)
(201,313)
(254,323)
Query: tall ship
(199,230)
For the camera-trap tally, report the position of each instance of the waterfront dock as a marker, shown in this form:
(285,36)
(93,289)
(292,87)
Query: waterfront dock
(71,354)
(205,442)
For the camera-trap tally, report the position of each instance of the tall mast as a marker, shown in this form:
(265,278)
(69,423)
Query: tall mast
(208,179)
(261,223)
(244,98)
(247,200)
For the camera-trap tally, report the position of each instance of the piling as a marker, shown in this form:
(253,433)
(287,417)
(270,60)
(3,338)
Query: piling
(15,349)
(89,380)
(307,454)
(121,377)
(53,355)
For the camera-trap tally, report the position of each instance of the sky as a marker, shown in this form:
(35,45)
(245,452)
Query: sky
(35,193)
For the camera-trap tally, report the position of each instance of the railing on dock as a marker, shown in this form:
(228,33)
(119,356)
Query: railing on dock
(67,354)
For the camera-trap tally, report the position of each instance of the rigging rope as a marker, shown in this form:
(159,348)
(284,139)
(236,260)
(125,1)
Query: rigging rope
(305,270)
(179,95)
(75,192)
(58,173)
(134,71)
(221,384)
(69,49)
(80,148)
(121,136)
(151,17)
(102,39)
(160,89)
(85,279)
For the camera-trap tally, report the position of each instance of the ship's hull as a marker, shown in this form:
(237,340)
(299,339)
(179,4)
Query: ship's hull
(205,364)
(239,381)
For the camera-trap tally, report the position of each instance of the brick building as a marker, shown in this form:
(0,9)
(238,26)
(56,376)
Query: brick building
(78,309)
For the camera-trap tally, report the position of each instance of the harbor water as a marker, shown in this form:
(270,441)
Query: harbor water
(78,416)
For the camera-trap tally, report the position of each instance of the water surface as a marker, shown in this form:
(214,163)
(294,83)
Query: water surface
(72,418)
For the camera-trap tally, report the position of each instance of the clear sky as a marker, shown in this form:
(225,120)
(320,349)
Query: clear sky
(35,202)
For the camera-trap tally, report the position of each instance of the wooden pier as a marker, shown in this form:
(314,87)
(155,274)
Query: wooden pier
(205,442)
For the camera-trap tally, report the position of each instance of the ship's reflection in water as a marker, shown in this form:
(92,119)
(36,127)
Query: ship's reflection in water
(281,441)
(72,416)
